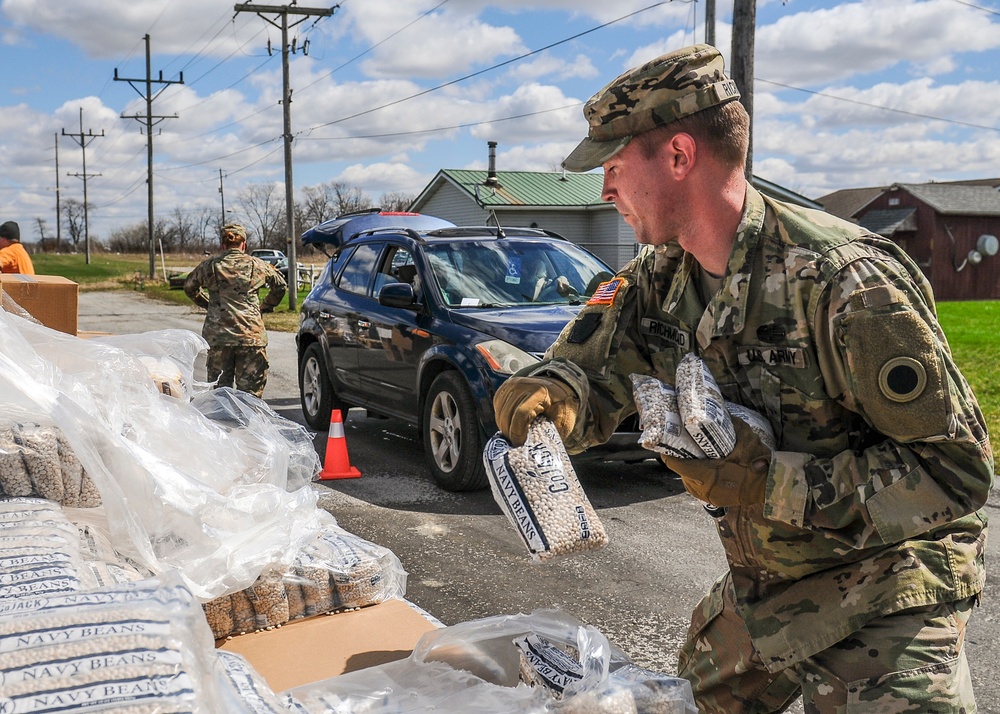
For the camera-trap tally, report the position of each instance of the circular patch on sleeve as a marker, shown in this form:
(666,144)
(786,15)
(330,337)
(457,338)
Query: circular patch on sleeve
(902,379)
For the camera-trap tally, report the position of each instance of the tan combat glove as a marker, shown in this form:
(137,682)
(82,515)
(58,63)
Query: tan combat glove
(737,480)
(520,399)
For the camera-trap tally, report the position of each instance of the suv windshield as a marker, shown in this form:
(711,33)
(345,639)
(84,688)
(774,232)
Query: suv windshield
(498,272)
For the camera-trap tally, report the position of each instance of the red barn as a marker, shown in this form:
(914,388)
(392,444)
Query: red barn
(950,230)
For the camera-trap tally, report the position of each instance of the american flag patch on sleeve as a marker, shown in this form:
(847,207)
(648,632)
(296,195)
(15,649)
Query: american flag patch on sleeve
(605,293)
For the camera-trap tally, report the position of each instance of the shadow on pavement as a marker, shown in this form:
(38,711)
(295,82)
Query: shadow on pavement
(395,474)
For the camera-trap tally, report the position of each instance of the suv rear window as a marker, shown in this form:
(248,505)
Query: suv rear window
(356,274)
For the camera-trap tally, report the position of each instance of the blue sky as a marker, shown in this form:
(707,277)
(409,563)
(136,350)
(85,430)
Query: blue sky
(846,94)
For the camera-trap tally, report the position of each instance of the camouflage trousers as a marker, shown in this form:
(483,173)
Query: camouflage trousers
(243,364)
(912,661)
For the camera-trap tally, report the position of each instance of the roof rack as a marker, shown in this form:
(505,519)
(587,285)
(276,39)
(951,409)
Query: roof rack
(388,229)
(486,231)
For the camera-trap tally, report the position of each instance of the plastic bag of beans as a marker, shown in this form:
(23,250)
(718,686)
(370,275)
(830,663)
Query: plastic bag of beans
(537,489)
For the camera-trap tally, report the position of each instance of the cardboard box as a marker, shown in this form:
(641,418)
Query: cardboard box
(325,646)
(50,299)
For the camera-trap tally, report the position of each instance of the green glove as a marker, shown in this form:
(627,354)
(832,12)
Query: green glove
(521,399)
(739,479)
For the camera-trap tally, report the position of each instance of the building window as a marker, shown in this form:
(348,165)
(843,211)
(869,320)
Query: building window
(894,201)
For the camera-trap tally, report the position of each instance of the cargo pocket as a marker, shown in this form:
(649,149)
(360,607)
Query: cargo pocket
(721,663)
(697,653)
(941,682)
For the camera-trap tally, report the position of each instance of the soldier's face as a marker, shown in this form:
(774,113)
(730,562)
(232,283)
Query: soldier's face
(645,197)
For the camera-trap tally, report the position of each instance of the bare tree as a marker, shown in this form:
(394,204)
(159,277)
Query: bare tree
(264,204)
(318,204)
(350,198)
(328,200)
(74,220)
(180,230)
(209,226)
(40,227)
(396,201)
(133,238)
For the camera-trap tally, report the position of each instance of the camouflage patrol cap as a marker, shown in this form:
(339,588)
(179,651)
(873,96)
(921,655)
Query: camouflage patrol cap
(233,233)
(663,90)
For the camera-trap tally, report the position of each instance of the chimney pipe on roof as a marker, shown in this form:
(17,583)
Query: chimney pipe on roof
(491,172)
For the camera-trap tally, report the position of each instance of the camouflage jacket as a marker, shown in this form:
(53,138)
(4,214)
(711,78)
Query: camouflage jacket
(883,462)
(227,286)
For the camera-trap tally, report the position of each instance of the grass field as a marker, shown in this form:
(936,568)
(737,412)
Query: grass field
(971,327)
(131,272)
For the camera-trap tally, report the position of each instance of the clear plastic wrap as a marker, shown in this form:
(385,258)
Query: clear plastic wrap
(176,486)
(272,443)
(36,460)
(547,661)
(138,647)
(168,355)
(536,487)
(334,571)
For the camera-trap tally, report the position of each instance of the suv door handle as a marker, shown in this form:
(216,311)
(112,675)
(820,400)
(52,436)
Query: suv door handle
(364,324)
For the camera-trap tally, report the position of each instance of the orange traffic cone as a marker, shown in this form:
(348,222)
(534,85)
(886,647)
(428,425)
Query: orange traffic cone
(337,464)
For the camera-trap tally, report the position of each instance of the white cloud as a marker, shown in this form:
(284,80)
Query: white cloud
(857,38)
(379,178)
(366,109)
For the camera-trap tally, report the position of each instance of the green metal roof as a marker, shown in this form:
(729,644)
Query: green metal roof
(548,188)
(530,188)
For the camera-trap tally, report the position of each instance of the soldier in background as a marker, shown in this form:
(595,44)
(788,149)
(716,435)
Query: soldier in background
(856,547)
(227,286)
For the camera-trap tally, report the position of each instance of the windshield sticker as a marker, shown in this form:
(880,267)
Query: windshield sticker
(470,302)
(513,276)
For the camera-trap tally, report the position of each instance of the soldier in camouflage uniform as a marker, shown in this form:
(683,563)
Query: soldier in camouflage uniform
(227,286)
(855,548)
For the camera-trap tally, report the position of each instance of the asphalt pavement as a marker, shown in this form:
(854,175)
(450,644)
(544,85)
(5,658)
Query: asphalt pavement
(465,561)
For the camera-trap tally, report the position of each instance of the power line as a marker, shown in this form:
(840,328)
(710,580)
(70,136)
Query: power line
(380,42)
(878,106)
(977,7)
(436,130)
(493,67)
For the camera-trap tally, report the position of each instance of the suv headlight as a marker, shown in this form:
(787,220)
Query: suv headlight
(504,357)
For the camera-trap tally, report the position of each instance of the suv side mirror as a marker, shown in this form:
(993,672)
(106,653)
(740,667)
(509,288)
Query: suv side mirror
(397,295)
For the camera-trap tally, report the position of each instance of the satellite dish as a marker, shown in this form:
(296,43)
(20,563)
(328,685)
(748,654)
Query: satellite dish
(975,257)
(987,244)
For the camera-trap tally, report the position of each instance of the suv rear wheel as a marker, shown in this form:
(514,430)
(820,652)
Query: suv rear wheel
(452,436)
(316,393)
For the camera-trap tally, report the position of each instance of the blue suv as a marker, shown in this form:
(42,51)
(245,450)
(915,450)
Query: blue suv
(416,318)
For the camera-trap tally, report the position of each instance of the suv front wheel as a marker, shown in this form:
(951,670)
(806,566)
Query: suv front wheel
(452,436)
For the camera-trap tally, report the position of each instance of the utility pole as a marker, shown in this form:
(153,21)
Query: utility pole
(283,11)
(222,194)
(58,206)
(744,27)
(84,139)
(148,118)
(710,22)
